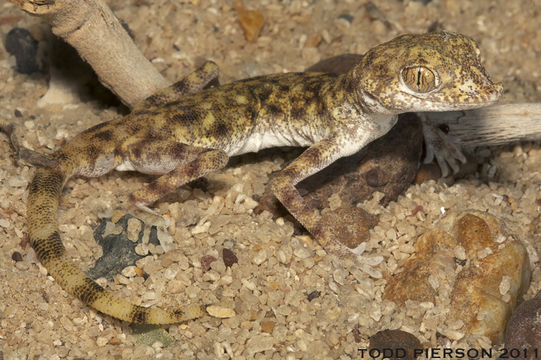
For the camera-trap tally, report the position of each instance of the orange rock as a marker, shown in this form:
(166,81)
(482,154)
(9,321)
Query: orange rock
(313,41)
(267,326)
(251,21)
(487,291)
(433,256)
(483,293)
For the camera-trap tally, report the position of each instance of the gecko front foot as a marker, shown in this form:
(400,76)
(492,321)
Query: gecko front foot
(343,230)
(441,146)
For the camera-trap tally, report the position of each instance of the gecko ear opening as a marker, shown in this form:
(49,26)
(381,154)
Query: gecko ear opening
(419,78)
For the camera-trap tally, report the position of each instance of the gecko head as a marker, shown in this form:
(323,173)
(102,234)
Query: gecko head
(429,72)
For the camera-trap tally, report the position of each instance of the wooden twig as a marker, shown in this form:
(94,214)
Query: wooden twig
(92,28)
(494,125)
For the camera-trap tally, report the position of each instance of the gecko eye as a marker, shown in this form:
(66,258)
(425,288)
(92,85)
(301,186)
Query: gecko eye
(419,78)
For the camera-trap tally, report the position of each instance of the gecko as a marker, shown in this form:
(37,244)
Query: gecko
(185,132)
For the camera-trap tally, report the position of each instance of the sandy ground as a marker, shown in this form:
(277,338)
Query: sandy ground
(276,270)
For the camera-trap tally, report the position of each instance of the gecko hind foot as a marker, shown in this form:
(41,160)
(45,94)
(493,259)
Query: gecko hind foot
(345,230)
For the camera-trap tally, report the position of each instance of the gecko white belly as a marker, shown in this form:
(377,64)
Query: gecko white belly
(266,138)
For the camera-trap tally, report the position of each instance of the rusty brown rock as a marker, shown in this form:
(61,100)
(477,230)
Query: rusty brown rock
(433,256)
(206,261)
(494,272)
(251,21)
(487,291)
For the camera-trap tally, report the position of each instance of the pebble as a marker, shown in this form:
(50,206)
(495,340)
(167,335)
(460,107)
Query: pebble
(17,181)
(395,339)
(220,311)
(206,262)
(21,44)
(313,295)
(376,274)
(141,249)
(260,257)
(101,341)
(283,257)
(524,329)
(134,228)
(259,343)
(267,326)
(16,256)
(229,257)
(302,252)
(4,223)
(251,21)
(129,271)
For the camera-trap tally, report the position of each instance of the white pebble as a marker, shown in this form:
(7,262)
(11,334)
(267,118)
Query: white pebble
(505,285)
(302,252)
(129,271)
(4,223)
(259,343)
(101,341)
(260,257)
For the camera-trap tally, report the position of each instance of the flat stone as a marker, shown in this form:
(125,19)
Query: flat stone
(119,251)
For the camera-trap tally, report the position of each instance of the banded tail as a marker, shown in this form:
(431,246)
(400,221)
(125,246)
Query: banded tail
(42,206)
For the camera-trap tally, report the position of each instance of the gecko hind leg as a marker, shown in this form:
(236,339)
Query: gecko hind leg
(204,163)
(192,164)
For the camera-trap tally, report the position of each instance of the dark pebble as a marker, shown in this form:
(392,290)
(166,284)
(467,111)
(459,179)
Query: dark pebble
(399,343)
(524,329)
(357,333)
(229,257)
(346,17)
(313,295)
(16,256)
(20,43)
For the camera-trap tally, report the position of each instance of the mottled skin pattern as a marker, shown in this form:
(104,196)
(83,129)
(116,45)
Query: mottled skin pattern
(182,134)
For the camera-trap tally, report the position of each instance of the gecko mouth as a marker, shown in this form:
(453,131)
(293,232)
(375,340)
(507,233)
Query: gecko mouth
(470,99)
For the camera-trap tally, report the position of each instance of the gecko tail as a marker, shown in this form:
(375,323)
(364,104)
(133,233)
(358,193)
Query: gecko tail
(42,206)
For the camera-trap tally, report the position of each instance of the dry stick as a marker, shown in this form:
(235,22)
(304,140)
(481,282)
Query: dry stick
(92,28)
(494,125)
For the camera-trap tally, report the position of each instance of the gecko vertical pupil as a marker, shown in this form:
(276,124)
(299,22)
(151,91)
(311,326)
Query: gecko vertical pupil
(419,78)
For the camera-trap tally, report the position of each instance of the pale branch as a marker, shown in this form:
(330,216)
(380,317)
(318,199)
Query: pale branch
(494,125)
(95,32)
